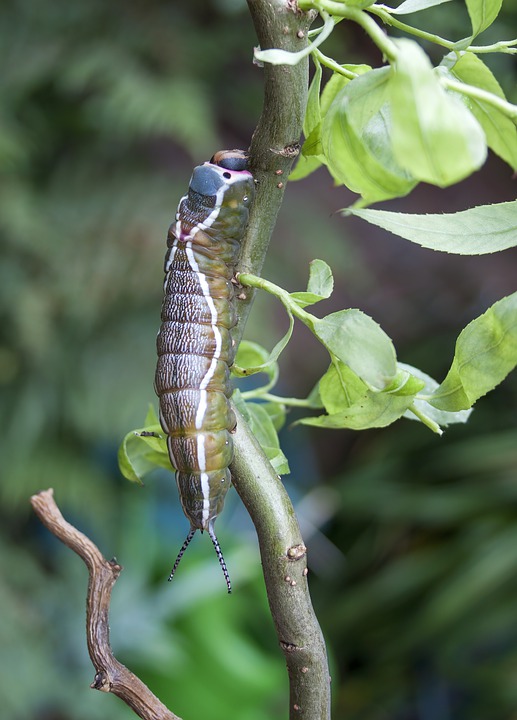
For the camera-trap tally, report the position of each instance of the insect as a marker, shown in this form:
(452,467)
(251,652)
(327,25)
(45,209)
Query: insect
(195,348)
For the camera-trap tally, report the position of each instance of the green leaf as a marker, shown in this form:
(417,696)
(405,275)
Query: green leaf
(251,355)
(377,409)
(351,404)
(139,453)
(126,467)
(321,281)
(411,6)
(311,124)
(313,114)
(337,82)
(482,13)
(356,139)
(252,358)
(486,351)
(424,410)
(359,342)
(277,413)
(311,157)
(340,388)
(500,131)
(312,146)
(261,424)
(435,136)
(314,398)
(477,231)
(405,383)
(319,287)
(269,363)
(304,299)
(305,166)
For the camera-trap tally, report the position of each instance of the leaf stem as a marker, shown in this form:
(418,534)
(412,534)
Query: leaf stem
(277,56)
(478,94)
(503,46)
(376,33)
(426,420)
(290,402)
(291,305)
(387,18)
(332,64)
(385,14)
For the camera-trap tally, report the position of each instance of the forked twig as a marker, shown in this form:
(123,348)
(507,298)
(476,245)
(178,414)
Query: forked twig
(110,674)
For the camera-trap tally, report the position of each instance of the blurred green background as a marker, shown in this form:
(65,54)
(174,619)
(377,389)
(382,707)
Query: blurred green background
(412,538)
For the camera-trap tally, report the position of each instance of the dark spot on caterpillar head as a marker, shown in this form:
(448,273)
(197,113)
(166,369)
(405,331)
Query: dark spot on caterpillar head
(227,175)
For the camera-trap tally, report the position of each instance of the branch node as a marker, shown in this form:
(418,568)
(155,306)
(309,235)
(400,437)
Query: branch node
(292,5)
(289,151)
(297,552)
(288,647)
(101,682)
(116,568)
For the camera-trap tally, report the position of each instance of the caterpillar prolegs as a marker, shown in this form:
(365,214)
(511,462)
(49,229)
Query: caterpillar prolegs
(194,342)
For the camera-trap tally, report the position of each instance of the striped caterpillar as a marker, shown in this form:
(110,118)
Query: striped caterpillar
(194,343)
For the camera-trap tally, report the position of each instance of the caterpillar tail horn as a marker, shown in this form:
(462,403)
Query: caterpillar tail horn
(182,551)
(218,552)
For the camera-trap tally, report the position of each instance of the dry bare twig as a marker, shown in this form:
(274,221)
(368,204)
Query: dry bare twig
(110,674)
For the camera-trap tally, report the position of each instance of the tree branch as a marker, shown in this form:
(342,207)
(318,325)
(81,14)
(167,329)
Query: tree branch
(284,562)
(275,144)
(274,147)
(110,674)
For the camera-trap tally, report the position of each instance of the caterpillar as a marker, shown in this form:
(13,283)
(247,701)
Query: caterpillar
(194,343)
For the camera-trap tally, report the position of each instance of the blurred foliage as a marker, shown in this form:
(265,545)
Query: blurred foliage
(105,108)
